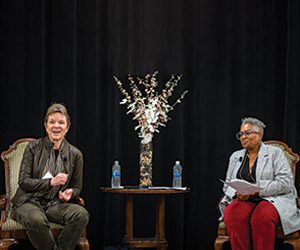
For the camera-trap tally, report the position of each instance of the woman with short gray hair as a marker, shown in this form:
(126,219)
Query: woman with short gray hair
(251,219)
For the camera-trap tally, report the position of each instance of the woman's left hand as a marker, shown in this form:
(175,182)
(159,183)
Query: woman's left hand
(66,195)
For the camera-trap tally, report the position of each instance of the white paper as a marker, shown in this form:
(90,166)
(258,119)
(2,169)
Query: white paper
(48,175)
(118,187)
(243,187)
(168,188)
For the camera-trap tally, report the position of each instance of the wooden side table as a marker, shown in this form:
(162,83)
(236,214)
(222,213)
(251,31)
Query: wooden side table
(159,241)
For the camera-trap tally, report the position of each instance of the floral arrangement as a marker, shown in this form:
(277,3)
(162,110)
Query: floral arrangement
(149,108)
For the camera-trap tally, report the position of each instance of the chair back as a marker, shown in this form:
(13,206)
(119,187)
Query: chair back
(292,157)
(12,161)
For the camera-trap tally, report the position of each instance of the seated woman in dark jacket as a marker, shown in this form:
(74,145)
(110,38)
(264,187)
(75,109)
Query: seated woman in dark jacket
(51,175)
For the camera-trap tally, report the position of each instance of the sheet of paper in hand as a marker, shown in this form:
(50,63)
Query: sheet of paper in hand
(243,187)
(48,175)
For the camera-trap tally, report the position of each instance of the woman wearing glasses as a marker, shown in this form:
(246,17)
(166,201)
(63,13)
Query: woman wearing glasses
(251,219)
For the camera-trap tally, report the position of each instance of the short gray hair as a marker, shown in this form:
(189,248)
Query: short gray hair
(254,122)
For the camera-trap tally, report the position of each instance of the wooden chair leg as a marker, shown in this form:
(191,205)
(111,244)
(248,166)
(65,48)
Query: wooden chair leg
(84,244)
(219,242)
(6,243)
(295,243)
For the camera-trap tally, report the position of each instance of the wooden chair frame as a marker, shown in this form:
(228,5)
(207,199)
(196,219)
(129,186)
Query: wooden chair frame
(10,236)
(294,238)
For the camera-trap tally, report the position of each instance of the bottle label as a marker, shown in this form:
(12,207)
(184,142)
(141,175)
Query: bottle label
(116,174)
(177,174)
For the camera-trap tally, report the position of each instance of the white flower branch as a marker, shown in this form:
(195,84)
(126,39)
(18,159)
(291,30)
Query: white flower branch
(150,110)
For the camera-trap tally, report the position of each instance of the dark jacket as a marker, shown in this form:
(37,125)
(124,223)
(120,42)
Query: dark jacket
(32,166)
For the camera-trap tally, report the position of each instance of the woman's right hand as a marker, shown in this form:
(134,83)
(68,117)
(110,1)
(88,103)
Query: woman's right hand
(59,179)
(242,197)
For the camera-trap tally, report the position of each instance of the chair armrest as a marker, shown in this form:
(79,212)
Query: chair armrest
(3,200)
(222,229)
(80,201)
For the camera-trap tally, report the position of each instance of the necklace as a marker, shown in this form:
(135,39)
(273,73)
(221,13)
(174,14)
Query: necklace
(252,160)
(245,173)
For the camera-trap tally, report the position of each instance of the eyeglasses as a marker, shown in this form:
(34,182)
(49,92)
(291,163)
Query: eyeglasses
(246,133)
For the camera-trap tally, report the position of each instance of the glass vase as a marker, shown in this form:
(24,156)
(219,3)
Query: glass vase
(146,158)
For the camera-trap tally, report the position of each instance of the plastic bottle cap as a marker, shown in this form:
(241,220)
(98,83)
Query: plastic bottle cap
(177,162)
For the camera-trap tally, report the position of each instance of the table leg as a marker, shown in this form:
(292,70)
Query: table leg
(160,217)
(129,217)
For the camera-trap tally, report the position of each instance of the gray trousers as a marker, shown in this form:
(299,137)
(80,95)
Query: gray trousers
(35,219)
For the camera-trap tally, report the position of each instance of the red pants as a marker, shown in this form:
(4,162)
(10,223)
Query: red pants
(251,225)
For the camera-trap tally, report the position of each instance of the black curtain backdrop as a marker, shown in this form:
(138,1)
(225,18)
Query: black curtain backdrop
(238,58)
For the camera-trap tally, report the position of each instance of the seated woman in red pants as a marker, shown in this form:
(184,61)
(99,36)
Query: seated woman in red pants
(251,220)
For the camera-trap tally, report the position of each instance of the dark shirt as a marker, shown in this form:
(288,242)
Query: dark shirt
(244,171)
(244,174)
(56,151)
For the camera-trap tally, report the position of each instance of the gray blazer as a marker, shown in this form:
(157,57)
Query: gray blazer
(274,175)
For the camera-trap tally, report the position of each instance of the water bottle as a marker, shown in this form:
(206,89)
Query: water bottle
(116,175)
(177,175)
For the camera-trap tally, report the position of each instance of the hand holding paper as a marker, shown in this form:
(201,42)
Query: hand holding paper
(243,187)
(59,179)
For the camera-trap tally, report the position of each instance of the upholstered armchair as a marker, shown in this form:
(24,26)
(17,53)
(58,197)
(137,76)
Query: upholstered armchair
(293,238)
(11,231)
